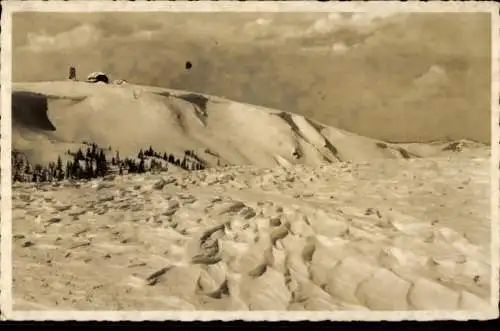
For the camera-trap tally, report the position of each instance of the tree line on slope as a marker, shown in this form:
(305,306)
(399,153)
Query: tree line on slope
(94,163)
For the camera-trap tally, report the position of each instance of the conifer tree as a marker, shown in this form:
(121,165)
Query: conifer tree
(88,172)
(68,170)
(59,163)
(78,171)
(29,169)
(79,155)
(141,166)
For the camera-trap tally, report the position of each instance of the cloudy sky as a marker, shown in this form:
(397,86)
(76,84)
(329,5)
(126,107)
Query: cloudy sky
(344,69)
(328,32)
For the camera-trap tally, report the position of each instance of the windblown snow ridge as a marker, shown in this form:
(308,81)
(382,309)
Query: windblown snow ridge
(49,117)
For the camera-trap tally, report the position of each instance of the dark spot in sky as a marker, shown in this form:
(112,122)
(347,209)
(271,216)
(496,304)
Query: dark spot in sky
(188,65)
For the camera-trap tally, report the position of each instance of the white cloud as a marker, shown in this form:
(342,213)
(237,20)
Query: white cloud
(339,47)
(77,37)
(262,21)
(364,22)
(270,28)
(369,18)
(143,34)
(434,77)
(427,85)
(258,28)
(323,25)
(258,24)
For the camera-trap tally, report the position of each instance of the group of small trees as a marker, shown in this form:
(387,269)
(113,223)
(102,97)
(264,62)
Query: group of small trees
(93,163)
(190,161)
(88,165)
(24,171)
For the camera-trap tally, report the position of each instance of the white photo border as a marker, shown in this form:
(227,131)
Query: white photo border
(10,7)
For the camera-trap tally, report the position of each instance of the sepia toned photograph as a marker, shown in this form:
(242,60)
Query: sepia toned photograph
(241,159)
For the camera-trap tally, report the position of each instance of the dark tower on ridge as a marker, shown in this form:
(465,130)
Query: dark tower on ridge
(72,73)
